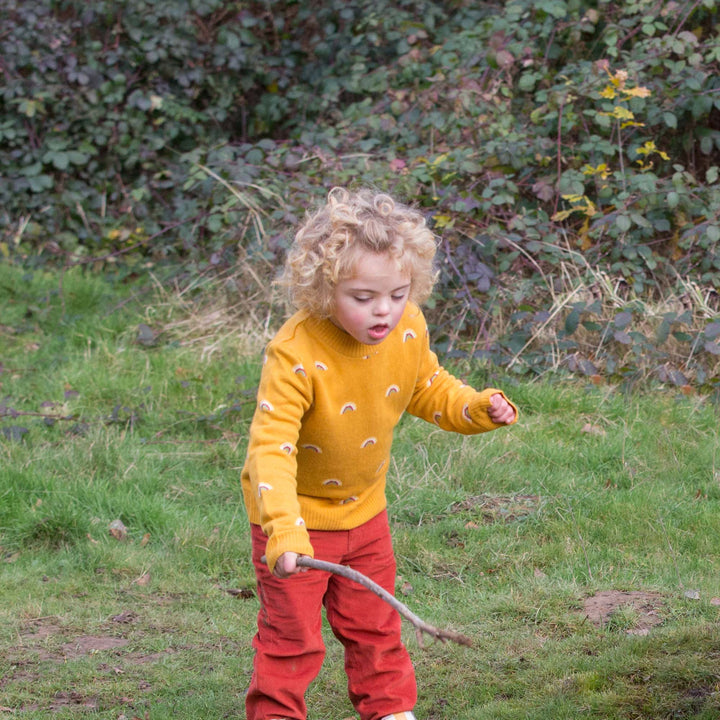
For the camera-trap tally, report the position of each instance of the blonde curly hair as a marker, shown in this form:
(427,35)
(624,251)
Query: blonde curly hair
(328,244)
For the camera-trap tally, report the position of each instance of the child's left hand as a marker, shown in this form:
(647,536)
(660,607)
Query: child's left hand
(500,410)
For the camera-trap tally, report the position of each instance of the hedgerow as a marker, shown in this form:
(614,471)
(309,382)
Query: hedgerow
(566,152)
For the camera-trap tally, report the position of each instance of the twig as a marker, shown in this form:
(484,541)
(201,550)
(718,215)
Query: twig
(420,625)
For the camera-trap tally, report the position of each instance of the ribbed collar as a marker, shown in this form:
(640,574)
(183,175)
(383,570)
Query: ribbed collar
(340,341)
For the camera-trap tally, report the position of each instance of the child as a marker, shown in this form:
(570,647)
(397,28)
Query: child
(337,378)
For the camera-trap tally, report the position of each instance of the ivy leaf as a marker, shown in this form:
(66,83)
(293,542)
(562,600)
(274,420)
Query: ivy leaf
(572,321)
(622,320)
(622,337)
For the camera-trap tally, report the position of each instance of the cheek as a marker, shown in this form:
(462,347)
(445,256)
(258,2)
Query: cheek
(349,314)
(355,316)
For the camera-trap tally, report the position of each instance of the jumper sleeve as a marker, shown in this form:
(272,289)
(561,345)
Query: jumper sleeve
(442,399)
(284,395)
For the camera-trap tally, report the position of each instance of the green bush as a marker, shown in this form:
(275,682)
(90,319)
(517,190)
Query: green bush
(554,144)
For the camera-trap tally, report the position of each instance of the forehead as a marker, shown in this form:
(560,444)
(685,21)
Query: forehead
(368,267)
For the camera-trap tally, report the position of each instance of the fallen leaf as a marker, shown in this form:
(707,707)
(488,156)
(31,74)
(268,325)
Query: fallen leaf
(118,530)
(145,540)
(143,580)
(124,617)
(692,594)
(592,429)
(242,593)
(715,601)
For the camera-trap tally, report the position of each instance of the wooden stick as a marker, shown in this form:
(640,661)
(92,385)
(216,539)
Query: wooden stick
(420,625)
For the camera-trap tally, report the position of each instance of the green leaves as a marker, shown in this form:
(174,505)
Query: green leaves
(547,140)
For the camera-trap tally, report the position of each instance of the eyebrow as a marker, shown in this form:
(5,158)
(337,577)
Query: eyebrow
(374,292)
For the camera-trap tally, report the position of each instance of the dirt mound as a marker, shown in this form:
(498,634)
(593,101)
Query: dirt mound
(635,612)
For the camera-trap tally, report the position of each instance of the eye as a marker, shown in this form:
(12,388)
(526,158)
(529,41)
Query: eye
(362,299)
(399,297)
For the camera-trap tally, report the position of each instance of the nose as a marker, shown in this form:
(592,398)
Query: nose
(381,307)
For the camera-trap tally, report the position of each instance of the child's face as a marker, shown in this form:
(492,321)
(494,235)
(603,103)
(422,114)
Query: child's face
(370,303)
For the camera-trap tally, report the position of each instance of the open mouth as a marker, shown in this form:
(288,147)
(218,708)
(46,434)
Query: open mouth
(378,332)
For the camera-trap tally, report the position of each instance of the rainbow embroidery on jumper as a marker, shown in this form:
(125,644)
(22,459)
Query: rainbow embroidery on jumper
(299,370)
(392,389)
(287,448)
(348,407)
(263,486)
(437,416)
(332,482)
(266,406)
(314,448)
(432,378)
(351,499)
(409,335)
(466,413)
(320,365)
(368,442)
(300,522)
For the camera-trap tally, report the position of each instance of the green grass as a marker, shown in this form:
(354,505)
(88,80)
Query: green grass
(502,537)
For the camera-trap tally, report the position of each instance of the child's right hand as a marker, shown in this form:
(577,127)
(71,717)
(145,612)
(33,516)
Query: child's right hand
(286,565)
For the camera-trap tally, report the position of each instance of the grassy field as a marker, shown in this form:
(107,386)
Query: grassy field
(578,549)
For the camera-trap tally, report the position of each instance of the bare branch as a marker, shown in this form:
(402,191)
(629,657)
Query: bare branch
(420,625)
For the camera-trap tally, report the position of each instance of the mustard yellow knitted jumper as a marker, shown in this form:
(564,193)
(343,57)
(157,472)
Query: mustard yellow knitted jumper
(327,405)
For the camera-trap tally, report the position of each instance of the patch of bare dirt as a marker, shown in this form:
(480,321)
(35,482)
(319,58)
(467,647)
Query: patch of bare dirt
(644,606)
(73,699)
(91,644)
(498,508)
(40,634)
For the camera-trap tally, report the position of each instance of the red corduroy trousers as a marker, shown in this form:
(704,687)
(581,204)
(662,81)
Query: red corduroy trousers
(289,648)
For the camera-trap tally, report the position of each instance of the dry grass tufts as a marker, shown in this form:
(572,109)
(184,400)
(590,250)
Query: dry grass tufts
(237,311)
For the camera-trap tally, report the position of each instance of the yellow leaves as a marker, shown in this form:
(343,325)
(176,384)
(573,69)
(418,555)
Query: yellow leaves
(602,170)
(618,89)
(622,113)
(127,235)
(649,148)
(442,221)
(582,204)
(641,92)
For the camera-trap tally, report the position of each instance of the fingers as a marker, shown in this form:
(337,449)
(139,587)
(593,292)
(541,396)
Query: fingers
(500,410)
(286,565)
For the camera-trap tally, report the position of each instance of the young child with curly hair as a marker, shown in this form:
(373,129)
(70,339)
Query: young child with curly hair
(337,377)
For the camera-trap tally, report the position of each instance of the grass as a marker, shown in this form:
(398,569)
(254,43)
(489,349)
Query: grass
(506,537)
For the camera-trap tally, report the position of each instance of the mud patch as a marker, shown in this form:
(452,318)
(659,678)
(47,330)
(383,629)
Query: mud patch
(498,508)
(73,699)
(91,644)
(634,612)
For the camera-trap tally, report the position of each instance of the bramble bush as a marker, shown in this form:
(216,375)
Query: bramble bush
(567,153)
